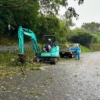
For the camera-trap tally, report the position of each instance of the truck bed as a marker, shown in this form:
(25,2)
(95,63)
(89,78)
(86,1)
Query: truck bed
(68,52)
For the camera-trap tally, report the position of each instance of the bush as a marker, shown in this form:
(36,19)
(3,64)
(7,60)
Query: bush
(84,38)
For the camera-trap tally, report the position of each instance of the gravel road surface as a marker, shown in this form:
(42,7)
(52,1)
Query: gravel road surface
(69,79)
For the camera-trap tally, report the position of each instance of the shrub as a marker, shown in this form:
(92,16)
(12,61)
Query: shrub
(84,38)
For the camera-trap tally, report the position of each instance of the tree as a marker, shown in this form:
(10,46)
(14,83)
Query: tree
(12,3)
(25,16)
(83,37)
(53,6)
(52,25)
(46,6)
(5,18)
(68,21)
(91,27)
(25,12)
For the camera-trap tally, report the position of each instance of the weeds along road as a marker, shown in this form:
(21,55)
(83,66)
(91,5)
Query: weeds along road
(69,79)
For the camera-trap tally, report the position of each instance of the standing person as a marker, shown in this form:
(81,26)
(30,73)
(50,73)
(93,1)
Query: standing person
(78,52)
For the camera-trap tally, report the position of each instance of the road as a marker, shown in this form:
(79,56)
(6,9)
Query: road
(12,48)
(69,79)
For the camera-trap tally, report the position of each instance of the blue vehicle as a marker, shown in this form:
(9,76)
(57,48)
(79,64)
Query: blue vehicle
(39,56)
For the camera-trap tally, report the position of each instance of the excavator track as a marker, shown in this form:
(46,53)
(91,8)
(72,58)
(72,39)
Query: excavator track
(54,60)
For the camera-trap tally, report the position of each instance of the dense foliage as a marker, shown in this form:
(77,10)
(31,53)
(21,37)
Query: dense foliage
(91,27)
(82,37)
(25,15)
(51,25)
(46,6)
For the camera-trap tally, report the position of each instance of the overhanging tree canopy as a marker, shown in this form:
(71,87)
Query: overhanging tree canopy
(46,6)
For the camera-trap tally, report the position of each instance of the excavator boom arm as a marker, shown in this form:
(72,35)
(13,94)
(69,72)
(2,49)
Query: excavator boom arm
(27,32)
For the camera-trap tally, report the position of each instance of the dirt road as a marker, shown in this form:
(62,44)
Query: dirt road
(67,80)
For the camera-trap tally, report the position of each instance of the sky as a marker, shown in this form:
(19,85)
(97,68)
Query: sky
(88,12)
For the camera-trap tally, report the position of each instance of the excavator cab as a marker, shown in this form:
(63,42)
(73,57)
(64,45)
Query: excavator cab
(51,55)
(49,41)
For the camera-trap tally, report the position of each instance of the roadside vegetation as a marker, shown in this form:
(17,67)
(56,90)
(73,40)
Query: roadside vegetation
(10,65)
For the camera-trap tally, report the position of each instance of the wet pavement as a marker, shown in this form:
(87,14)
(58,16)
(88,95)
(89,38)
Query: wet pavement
(69,79)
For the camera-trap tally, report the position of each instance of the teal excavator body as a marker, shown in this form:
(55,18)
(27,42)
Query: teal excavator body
(52,55)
